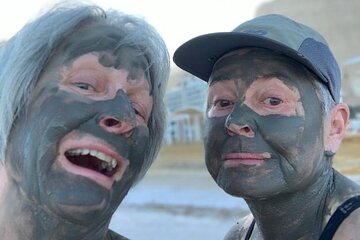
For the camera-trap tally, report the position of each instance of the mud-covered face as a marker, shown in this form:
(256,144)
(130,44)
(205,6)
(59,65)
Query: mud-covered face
(80,141)
(264,130)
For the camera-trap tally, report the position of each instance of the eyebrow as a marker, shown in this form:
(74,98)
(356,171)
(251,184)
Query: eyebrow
(278,75)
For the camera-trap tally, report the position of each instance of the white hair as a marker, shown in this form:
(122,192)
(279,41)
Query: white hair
(24,57)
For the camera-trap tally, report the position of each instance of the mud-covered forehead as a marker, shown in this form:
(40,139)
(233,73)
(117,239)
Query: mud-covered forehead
(249,64)
(245,66)
(112,45)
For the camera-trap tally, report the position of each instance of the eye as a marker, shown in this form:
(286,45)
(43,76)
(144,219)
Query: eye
(220,107)
(138,111)
(84,86)
(273,101)
(222,103)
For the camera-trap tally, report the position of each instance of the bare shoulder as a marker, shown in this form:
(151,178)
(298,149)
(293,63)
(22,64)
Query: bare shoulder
(346,190)
(350,227)
(239,230)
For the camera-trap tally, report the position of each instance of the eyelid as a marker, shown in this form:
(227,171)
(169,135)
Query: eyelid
(220,97)
(269,93)
(88,84)
(281,92)
(215,102)
(268,99)
(140,109)
(90,77)
(222,90)
(216,110)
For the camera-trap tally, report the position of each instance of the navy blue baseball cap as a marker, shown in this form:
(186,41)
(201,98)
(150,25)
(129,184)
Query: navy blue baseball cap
(276,32)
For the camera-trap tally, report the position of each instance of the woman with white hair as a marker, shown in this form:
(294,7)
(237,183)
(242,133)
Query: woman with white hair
(81,120)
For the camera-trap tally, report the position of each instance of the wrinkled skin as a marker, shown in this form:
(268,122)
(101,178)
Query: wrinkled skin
(266,141)
(284,131)
(89,96)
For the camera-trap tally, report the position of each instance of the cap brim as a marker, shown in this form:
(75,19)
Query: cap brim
(198,55)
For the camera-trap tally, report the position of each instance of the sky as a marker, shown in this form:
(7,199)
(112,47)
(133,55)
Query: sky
(176,20)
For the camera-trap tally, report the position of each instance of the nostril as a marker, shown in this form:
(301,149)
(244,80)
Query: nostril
(117,126)
(238,129)
(246,129)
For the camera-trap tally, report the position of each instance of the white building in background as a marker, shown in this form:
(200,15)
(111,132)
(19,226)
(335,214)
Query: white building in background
(351,92)
(351,81)
(186,102)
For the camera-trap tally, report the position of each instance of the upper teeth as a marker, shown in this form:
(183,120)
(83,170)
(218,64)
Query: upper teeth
(109,162)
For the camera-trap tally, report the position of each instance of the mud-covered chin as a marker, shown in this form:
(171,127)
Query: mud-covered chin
(83,197)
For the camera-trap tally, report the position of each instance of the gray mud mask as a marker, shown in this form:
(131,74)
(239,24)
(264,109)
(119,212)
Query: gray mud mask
(52,115)
(294,142)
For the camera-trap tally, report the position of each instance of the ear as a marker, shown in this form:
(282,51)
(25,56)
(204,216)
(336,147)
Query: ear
(339,120)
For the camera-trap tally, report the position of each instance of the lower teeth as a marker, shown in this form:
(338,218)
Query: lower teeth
(106,166)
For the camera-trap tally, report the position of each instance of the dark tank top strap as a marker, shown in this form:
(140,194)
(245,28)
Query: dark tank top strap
(342,212)
(250,230)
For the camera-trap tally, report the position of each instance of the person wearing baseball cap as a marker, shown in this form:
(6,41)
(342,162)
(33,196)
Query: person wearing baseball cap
(274,121)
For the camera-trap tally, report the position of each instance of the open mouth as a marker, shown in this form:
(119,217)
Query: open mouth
(93,160)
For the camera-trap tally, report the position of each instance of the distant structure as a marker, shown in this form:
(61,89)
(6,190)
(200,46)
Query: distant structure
(339,22)
(185,100)
(351,74)
(351,69)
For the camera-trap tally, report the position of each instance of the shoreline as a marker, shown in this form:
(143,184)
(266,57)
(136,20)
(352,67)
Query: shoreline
(179,204)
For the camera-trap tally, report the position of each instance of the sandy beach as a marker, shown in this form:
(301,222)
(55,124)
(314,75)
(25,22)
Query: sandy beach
(178,199)
(178,205)
(173,204)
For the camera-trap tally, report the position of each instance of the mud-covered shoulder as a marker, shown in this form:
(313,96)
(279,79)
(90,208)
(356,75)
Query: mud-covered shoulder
(239,230)
(115,236)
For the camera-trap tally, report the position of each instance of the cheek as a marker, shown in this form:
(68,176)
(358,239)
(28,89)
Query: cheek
(140,142)
(215,137)
(296,145)
(293,148)
(282,133)
(49,118)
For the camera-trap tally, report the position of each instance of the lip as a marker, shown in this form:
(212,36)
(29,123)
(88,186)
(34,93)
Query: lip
(92,143)
(243,158)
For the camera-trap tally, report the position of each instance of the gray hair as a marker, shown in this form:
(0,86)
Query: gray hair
(325,97)
(25,55)
(327,101)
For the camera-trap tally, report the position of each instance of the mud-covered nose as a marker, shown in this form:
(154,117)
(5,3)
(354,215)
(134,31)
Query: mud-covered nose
(241,122)
(117,115)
